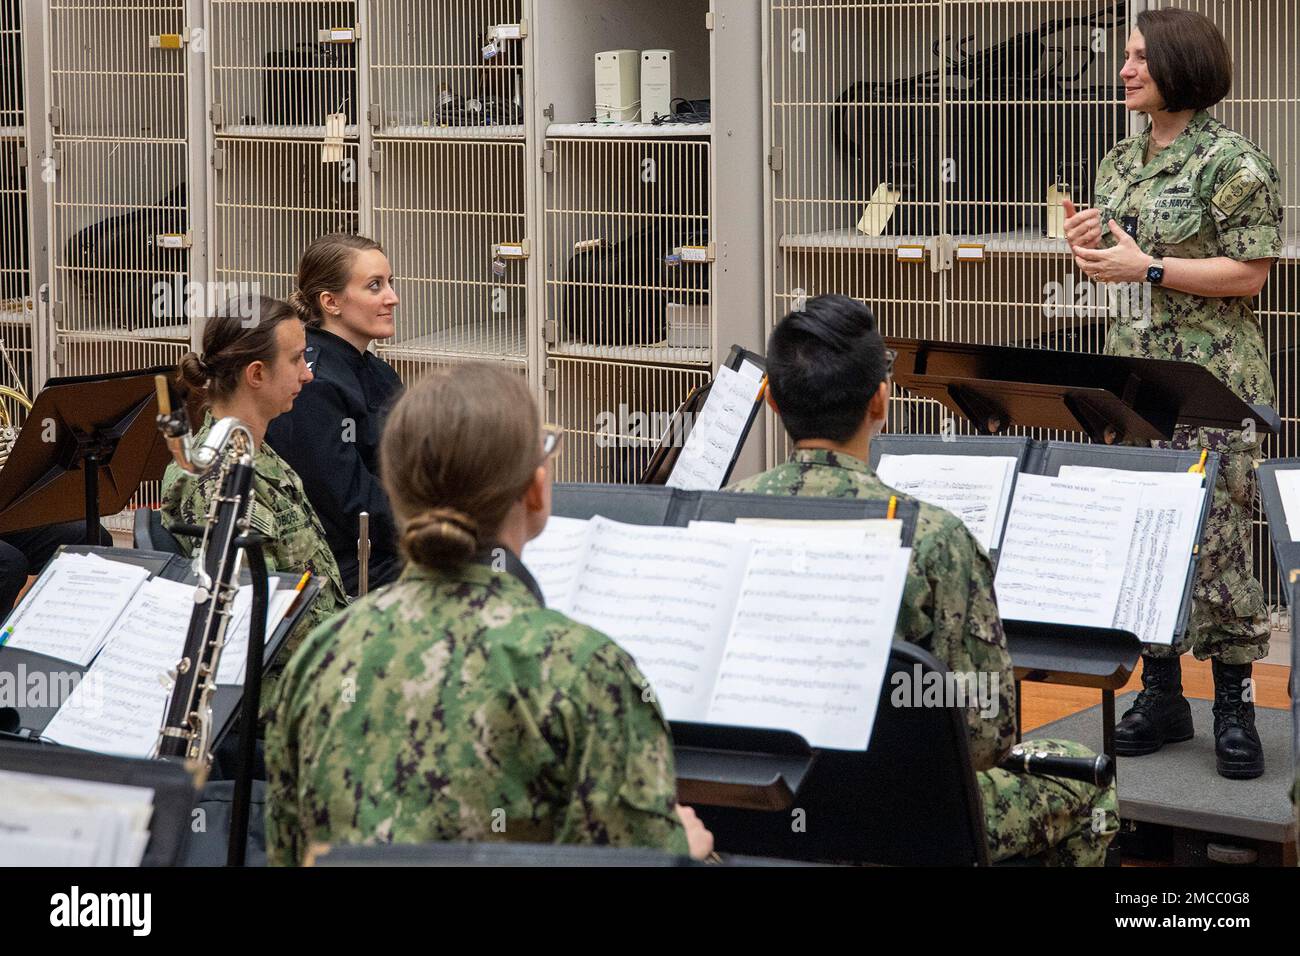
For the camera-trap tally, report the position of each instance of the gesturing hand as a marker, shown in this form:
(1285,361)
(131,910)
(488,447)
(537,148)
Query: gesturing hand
(1123,262)
(1082,228)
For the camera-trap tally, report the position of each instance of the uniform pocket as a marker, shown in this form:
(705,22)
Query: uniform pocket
(1175,221)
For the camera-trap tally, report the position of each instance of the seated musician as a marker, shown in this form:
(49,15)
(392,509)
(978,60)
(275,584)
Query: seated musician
(252,369)
(452,705)
(331,435)
(828,379)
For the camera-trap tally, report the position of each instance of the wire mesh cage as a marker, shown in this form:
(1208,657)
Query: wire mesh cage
(613,414)
(12,86)
(283,67)
(118,68)
(452,216)
(271,198)
(628,248)
(15,260)
(120,237)
(447,68)
(412,368)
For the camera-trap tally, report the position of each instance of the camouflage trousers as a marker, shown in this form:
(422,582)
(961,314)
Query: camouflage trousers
(1229,619)
(1061,822)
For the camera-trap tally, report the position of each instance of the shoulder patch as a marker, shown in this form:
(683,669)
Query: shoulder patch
(1234,193)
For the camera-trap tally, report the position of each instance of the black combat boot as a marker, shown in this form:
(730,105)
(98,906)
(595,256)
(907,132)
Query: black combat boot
(1236,744)
(1160,715)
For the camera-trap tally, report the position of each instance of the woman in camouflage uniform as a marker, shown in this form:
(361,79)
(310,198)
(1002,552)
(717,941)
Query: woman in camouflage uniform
(1193,209)
(451,704)
(252,368)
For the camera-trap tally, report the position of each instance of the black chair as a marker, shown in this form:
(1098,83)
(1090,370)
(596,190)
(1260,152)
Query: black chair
(149,533)
(909,800)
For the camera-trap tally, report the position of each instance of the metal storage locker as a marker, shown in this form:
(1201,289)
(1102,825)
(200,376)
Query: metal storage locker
(448,82)
(271,197)
(118,185)
(17,307)
(630,239)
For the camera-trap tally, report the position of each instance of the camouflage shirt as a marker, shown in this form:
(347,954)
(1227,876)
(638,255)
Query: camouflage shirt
(1210,193)
(454,706)
(948,603)
(295,541)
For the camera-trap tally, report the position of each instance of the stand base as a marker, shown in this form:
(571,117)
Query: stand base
(1176,807)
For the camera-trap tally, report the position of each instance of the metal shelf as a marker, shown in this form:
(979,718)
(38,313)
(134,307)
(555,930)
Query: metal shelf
(628,130)
(428,131)
(1024,242)
(271,131)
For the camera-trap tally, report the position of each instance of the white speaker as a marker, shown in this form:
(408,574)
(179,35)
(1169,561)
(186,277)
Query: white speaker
(656,84)
(618,85)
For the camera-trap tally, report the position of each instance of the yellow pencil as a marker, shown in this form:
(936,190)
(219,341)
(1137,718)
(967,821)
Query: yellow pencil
(302,581)
(893,506)
(1199,467)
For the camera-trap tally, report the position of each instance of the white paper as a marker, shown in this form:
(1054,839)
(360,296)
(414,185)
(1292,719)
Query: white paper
(974,488)
(878,529)
(554,558)
(809,643)
(666,596)
(57,821)
(884,533)
(72,606)
(1160,549)
(230,669)
(120,704)
(717,434)
(1288,486)
(1064,552)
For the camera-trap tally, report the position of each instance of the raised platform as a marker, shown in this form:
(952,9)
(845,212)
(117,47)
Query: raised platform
(1178,787)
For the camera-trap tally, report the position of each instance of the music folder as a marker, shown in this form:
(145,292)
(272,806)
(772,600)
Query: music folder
(728,765)
(20,667)
(725,409)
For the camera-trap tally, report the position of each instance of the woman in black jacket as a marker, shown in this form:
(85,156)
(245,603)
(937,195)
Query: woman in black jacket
(345,296)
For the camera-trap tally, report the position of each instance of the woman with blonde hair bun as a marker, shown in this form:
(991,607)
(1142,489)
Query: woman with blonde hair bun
(345,297)
(452,705)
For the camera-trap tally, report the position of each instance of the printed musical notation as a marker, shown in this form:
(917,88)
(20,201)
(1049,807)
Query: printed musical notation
(72,605)
(975,488)
(121,701)
(718,432)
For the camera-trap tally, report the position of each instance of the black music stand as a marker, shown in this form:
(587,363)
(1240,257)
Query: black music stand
(92,437)
(1110,398)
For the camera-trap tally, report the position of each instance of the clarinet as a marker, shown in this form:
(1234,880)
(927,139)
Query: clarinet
(1099,770)
(187,728)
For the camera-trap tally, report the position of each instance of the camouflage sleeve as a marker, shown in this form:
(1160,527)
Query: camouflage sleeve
(1245,201)
(968,636)
(623,781)
(285,832)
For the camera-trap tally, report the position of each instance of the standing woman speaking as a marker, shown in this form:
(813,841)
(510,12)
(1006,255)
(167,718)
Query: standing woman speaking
(1193,209)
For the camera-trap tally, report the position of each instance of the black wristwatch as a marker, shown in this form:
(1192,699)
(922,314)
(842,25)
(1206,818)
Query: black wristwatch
(1156,272)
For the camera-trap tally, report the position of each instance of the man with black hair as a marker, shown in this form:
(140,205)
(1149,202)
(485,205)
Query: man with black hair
(828,379)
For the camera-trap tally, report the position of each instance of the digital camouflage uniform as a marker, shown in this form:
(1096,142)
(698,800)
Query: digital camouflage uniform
(295,541)
(455,706)
(1209,193)
(950,610)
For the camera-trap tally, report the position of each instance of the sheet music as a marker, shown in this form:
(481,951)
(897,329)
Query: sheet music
(883,533)
(1064,552)
(809,642)
(72,605)
(554,558)
(1288,487)
(230,669)
(717,434)
(1160,550)
(120,704)
(666,596)
(974,488)
(59,821)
